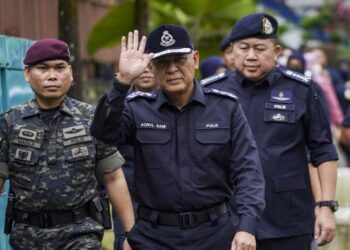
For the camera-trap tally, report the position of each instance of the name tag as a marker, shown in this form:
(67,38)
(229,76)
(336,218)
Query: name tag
(77,140)
(153,125)
(280,106)
(211,125)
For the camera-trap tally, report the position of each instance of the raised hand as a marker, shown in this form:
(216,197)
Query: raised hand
(133,61)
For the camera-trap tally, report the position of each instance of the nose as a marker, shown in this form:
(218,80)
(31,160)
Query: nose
(251,54)
(172,67)
(52,74)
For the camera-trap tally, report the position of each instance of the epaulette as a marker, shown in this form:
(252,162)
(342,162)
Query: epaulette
(214,78)
(220,92)
(296,76)
(137,94)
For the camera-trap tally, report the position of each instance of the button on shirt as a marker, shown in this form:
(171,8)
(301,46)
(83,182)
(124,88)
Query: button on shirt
(188,159)
(287,117)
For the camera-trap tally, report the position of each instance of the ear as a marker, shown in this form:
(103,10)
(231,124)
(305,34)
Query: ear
(71,74)
(196,58)
(26,73)
(277,50)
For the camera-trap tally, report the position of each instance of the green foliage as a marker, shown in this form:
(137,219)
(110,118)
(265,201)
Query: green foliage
(108,31)
(208,21)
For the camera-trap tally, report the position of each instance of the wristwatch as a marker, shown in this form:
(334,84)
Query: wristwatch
(333,205)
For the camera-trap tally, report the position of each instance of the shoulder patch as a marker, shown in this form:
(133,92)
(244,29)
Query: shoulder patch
(296,76)
(221,93)
(214,78)
(137,94)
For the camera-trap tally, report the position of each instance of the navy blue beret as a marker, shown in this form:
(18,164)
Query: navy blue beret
(259,25)
(226,41)
(47,49)
(210,66)
(168,39)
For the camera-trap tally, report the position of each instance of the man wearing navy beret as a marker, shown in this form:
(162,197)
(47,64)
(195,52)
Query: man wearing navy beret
(287,118)
(193,149)
(53,163)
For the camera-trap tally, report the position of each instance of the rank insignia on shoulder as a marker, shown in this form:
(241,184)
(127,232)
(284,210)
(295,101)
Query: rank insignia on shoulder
(220,92)
(296,76)
(214,78)
(136,94)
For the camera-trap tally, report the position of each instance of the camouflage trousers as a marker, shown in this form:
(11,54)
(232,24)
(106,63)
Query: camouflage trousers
(84,235)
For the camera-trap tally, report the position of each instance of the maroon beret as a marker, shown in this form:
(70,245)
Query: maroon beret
(47,49)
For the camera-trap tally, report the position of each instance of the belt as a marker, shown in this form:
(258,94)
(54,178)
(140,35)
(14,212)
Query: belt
(51,218)
(183,220)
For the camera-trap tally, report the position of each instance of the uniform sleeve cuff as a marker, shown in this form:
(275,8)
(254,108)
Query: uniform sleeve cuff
(248,224)
(110,163)
(4,170)
(117,90)
(323,154)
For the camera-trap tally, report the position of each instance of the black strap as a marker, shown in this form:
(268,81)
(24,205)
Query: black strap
(52,218)
(183,220)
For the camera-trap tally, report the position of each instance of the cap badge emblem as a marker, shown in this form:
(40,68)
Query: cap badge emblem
(267,26)
(167,39)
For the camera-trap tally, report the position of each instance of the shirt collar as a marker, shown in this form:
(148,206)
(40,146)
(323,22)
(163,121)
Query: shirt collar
(32,108)
(269,78)
(198,96)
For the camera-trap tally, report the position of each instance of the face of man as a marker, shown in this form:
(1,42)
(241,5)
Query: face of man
(295,65)
(50,81)
(228,58)
(175,73)
(145,82)
(255,58)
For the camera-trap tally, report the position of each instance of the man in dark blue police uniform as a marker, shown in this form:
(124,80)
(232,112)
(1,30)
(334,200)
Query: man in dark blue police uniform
(287,118)
(193,149)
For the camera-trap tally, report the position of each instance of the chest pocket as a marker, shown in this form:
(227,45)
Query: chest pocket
(282,122)
(212,133)
(284,113)
(25,149)
(26,145)
(156,154)
(211,152)
(78,145)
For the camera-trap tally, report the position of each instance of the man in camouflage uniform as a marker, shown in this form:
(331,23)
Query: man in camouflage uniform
(52,161)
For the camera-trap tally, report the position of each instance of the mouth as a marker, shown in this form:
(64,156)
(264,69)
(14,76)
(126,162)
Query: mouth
(173,80)
(52,87)
(146,79)
(251,67)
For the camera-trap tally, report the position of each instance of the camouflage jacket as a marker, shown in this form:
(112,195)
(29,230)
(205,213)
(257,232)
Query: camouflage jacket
(52,167)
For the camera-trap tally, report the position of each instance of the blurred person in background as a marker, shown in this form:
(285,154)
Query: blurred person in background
(296,62)
(211,66)
(226,53)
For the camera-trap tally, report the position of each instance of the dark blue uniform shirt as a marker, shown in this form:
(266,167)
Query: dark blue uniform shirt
(287,117)
(189,159)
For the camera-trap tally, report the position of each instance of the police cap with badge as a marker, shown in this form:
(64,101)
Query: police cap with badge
(169,39)
(45,50)
(257,25)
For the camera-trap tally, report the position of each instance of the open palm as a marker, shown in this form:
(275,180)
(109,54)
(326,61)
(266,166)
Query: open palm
(133,61)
